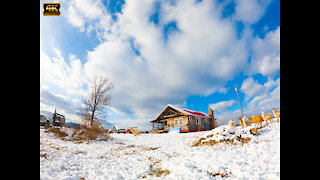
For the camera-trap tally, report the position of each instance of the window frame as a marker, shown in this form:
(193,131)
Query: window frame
(198,120)
(180,121)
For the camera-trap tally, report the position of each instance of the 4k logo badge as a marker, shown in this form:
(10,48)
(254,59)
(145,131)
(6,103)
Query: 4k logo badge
(51,9)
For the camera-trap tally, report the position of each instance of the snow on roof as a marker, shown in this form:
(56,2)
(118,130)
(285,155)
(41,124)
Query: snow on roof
(47,114)
(185,111)
(189,112)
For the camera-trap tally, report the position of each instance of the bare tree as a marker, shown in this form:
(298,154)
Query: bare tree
(98,97)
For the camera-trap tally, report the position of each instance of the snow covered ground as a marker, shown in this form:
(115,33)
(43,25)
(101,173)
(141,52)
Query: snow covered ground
(139,157)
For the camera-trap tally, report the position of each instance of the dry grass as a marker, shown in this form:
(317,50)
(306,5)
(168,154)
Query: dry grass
(239,138)
(96,132)
(133,146)
(214,142)
(155,170)
(57,132)
(158,172)
(83,133)
(218,174)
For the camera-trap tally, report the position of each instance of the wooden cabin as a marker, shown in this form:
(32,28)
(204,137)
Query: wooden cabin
(188,120)
(58,119)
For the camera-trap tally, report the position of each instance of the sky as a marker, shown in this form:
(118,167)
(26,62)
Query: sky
(188,53)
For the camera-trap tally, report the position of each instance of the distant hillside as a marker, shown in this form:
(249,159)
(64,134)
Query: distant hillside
(47,114)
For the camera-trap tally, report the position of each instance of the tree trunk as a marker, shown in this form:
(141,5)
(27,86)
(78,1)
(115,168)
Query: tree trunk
(92,117)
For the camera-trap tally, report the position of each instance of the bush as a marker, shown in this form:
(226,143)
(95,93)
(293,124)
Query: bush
(95,132)
(57,132)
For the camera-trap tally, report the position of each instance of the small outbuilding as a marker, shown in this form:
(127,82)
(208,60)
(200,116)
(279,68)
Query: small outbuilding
(188,120)
(58,119)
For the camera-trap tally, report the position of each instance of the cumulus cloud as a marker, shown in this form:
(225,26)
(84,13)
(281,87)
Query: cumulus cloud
(261,97)
(250,11)
(266,55)
(88,15)
(63,104)
(252,88)
(61,83)
(152,67)
(56,71)
(222,105)
(258,98)
(194,60)
(266,101)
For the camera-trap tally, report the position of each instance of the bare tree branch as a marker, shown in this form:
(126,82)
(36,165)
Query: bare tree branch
(98,98)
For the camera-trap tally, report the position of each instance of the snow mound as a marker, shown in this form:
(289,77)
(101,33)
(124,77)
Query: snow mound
(228,134)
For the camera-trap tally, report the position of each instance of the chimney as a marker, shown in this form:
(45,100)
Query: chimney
(210,112)
(213,121)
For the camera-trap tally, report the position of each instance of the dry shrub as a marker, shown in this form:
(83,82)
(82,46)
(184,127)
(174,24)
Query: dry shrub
(57,132)
(94,132)
(224,175)
(226,141)
(158,172)
(254,131)
(227,135)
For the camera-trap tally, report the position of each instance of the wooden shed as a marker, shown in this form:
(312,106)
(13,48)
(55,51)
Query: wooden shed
(58,119)
(188,120)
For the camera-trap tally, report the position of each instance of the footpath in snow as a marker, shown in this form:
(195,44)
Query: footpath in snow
(161,156)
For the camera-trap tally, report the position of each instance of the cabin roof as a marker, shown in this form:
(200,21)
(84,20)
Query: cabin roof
(59,115)
(184,111)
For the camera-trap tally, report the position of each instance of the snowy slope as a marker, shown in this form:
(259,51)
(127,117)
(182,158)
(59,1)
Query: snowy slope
(136,157)
(48,115)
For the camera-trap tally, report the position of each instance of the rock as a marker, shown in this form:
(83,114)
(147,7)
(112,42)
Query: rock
(254,131)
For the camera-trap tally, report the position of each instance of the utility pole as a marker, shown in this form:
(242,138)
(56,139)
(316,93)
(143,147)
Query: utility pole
(238,99)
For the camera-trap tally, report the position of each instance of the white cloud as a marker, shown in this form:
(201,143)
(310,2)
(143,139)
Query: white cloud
(88,15)
(222,105)
(56,71)
(61,83)
(250,11)
(266,101)
(252,88)
(224,117)
(75,18)
(90,9)
(262,102)
(261,97)
(258,98)
(196,61)
(266,55)
(64,104)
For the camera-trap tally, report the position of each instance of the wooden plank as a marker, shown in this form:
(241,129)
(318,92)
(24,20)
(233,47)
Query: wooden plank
(172,115)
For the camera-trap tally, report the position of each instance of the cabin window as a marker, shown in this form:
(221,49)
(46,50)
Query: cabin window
(176,122)
(197,120)
(181,121)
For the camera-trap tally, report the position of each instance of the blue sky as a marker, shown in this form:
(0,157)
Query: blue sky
(187,53)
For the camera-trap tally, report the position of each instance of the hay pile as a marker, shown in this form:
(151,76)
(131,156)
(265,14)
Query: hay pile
(227,134)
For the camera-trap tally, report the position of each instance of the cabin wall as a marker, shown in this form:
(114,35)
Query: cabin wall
(189,123)
(170,123)
(62,121)
(204,124)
